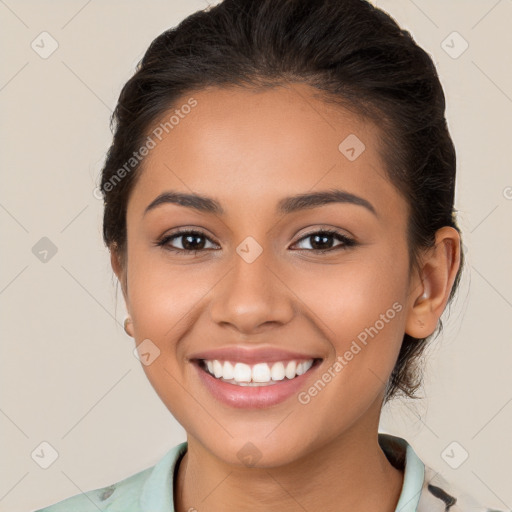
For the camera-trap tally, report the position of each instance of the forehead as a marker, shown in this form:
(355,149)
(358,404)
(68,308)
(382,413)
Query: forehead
(247,146)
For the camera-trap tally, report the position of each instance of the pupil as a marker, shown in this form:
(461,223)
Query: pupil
(322,237)
(191,246)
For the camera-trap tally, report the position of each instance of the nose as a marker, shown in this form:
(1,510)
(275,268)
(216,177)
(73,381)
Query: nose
(252,297)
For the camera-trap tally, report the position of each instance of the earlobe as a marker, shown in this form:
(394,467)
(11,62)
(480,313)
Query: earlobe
(429,298)
(128,326)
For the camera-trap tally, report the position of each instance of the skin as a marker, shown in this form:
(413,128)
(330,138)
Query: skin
(248,150)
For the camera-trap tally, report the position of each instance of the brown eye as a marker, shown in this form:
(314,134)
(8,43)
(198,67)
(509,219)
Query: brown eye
(187,241)
(322,241)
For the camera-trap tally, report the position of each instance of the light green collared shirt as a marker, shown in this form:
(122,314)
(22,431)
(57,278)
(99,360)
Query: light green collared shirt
(151,490)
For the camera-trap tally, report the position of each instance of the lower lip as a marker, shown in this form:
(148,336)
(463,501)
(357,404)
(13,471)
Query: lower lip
(256,397)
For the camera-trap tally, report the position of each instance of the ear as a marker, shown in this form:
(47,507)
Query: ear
(430,292)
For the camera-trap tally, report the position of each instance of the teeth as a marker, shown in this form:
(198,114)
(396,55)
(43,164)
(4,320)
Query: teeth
(217,369)
(260,373)
(228,371)
(277,372)
(291,369)
(241,373)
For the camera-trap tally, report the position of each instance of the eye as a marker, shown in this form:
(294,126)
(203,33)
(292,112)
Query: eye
(189,242)
(193,241)
(321,241)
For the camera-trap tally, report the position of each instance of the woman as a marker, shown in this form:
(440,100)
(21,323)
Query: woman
(279,212)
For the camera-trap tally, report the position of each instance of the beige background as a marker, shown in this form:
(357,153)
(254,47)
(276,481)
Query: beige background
(68,374)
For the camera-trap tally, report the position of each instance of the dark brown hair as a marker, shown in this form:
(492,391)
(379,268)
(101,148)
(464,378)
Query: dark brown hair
(354,54)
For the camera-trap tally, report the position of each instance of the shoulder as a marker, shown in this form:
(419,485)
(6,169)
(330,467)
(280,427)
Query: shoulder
(438,493)
(132,494)
(126,492)
(424,489)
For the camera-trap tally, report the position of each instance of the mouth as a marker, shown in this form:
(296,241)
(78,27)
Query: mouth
(257,386)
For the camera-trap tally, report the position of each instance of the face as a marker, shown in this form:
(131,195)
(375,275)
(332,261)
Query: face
(260,277)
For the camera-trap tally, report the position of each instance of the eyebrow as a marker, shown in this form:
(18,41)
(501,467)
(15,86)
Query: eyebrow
(285,206)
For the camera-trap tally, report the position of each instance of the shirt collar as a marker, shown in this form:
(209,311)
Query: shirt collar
(157,493)
(401,454)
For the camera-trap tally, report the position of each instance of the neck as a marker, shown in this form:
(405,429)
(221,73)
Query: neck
(349,473)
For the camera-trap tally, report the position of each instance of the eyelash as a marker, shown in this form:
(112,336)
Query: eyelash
(347,241)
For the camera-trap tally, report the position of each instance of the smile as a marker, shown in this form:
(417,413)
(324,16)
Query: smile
(255,386)
(260,374)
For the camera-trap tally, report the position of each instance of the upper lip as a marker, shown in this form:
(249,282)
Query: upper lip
(251,355)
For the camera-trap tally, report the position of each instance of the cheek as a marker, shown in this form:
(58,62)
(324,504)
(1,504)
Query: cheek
(360,309)
(351,295)
(164,299)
